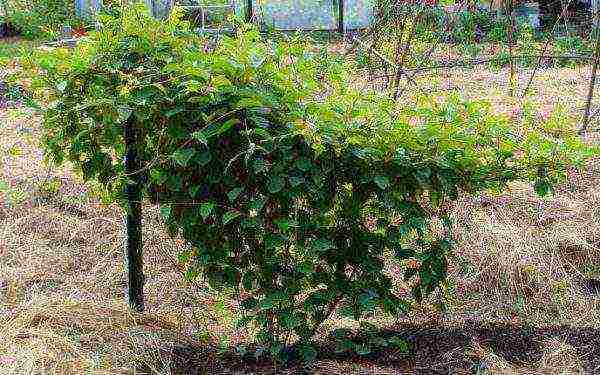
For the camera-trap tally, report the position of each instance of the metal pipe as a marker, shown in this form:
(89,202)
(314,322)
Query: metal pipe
(133,193)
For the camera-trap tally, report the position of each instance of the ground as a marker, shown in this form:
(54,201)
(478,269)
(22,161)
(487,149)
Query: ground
(524,297)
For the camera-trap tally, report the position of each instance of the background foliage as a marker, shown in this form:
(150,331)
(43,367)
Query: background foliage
(40,18)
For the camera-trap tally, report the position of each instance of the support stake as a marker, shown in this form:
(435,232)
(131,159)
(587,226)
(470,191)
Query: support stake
(249,11)
(590,96)
(133,193)
(341,21)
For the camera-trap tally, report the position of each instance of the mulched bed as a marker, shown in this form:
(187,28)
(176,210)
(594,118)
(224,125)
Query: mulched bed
(437,348)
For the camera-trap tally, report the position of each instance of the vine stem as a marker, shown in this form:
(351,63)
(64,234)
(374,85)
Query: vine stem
(330,309)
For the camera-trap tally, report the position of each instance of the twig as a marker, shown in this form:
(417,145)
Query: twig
(588,106)
(468,63)
(392,64)
(539,63)
(511,30)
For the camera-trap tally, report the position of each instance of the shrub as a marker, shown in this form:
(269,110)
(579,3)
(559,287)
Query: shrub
(291,188)
(40,18)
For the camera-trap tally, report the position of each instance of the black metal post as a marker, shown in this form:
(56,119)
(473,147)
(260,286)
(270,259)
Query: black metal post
(135,269)
(249,11)
(341,21)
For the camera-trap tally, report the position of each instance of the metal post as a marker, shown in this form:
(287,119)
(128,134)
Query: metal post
(249,11)
(135,270)
(341,21)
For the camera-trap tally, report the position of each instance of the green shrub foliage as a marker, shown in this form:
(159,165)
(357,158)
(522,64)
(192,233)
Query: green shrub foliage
(40,18)
(290,186)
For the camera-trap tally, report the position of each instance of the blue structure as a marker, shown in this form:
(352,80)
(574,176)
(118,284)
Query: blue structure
(279,14)
(87,8)
(314,14)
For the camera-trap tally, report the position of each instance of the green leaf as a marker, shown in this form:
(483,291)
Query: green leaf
(262,133)
(404,253)
(364,299)
(362,349)
(417,294)
(247,280)
(423,176)
(410,273)
(296,181)
(191,274)
(226,126)
(166,211)
(283,225)
(266,304)
(200,137)
(4,187)
(275,184)
(249,303)
(343,345)
(183,157)
(257,204)
(259,165)
(304,164)
(306,268)
(234,194)
(322,245)
(184,256)
(542,187)
(174,112)
(62,86)
(124,114)
(204,158)
(399,344)
(308,353)
(206,209)
(229,216)
(243,321)
(382,181)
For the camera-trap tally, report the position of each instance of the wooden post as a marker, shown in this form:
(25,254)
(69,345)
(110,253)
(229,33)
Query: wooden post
(341,21)
(133,193)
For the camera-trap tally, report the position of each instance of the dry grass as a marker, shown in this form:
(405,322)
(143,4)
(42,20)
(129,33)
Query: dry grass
(521,259)
(528,257)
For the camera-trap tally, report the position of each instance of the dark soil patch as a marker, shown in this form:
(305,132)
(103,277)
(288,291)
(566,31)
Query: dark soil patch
(591,286)
(436,349)
(8,30)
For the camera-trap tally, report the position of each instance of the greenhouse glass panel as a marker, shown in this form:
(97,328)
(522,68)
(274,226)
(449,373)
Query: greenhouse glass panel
(297,14)
(358,14)
(87,8)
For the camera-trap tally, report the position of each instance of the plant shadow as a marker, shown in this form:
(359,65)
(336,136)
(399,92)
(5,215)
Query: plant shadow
(435,348)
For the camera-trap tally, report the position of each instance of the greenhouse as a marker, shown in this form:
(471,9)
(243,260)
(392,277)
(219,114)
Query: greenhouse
(279,14)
